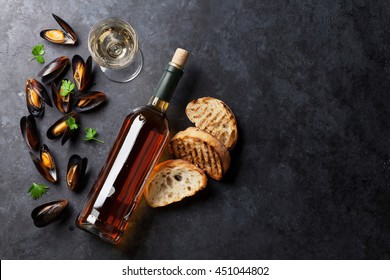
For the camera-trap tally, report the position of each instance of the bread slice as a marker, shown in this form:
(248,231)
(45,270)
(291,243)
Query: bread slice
(172,180)
(201,149)
(215,117)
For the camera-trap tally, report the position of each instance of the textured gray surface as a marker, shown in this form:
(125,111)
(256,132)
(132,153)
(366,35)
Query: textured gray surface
(308,82)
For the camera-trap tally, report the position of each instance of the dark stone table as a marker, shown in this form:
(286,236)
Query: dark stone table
(309,84)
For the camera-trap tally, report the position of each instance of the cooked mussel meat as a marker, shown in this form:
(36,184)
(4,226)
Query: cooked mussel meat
(29,130)
(54,35)
(82,72)
(60,128)
(67,36)
(54,70)
(33,85)
(76,171)
(88,101)
(34,103)
(45,164)
(36,95)
(48,212)
(61,101)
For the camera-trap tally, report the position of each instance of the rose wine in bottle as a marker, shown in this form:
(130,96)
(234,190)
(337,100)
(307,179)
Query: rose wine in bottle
(136,150)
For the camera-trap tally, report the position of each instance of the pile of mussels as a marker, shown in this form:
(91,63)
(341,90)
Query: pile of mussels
(69,105)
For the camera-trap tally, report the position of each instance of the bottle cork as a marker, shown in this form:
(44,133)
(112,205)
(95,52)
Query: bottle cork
(180,57)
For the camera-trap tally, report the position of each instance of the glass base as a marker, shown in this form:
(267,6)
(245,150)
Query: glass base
(125,74)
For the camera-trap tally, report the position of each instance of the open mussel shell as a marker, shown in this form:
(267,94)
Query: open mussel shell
(57,36)
(88,101)
(69,30)
(35,92)
(60,129)
(45,164)
(82,72)
(39,89)
(35,106)
(67,36)
(76,171)
(55,69)
(62,103)
(29,130)
(48,212)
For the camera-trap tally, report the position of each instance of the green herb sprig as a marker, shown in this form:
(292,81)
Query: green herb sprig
(90,135)
(66,87)
(37,190)
(71,123)
(38,51)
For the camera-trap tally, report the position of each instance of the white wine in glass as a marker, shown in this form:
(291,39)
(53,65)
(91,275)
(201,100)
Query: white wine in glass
(113,44)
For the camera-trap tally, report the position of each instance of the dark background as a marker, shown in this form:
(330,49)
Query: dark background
(309,84)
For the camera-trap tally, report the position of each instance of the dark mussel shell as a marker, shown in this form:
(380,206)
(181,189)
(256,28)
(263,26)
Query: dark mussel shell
(66,27)
(60,129)
(48,212)
(67,36)
(62,103)
(54,69)
(35,104)
(34,85)
(29,130)
(45,164)
(57,36)
(82,72)
(76,171)
(88,101)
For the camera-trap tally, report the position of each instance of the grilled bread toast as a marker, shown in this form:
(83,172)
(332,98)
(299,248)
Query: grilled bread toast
(173,180)
(201,149)
(215,117)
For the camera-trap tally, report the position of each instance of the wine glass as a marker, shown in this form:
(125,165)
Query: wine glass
(113,44)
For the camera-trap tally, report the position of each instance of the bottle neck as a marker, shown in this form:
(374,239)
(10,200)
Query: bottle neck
(166,86)
(159,104)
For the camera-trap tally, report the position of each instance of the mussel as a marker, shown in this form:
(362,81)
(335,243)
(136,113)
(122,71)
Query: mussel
(36,95)
(89,100)
(55,69)
(48,212)
(29,130)
(62,103)
(67,36)
(60,128)
(76,171)
(39,89)
(82,72)
(45,164)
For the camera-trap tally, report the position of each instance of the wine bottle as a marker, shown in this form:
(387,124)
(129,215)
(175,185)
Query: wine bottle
(137,148)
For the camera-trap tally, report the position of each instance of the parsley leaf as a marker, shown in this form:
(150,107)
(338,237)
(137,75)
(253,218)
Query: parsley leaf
(90,135)
(66,87)
(40,59)
(37,190)
(71,123)
(38,51)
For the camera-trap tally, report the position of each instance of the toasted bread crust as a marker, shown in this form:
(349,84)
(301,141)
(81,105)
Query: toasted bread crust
(201,149)
(215,117)
(163,188)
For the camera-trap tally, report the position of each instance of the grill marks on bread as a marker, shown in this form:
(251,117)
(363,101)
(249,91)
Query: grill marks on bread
(201,149)
(215,117)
